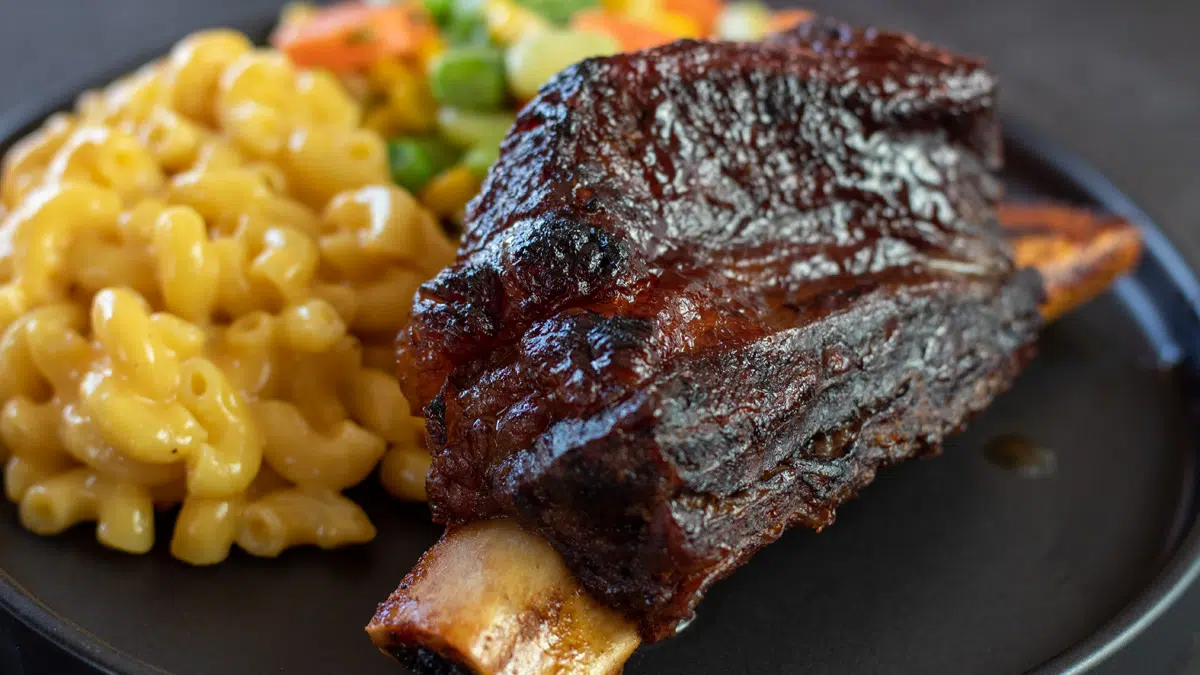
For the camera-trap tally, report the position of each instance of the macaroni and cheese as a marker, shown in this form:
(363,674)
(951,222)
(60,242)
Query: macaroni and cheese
(202,270)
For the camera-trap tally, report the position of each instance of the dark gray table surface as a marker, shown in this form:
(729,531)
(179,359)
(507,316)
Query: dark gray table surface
(1116,80)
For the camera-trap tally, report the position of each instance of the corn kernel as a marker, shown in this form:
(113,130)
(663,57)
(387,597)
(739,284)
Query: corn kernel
(450,191)
(384,72)
(508,22)
(643,10)
(409,105)
(429,50)
(380,120)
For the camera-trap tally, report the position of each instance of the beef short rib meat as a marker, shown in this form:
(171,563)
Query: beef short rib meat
(707,292)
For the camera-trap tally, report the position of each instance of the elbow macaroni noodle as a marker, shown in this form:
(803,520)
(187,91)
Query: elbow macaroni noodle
(203,267)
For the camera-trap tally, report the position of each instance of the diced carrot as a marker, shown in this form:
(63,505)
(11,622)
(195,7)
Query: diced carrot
(631,35)
(705,12)
(786,19)
(353,35)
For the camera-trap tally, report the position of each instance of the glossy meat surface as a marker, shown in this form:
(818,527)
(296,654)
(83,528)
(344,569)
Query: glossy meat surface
(707,292)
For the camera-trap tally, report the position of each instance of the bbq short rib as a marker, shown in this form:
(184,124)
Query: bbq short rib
(707,292)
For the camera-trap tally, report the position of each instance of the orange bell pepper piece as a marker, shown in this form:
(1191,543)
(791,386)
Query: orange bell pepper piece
(704,12)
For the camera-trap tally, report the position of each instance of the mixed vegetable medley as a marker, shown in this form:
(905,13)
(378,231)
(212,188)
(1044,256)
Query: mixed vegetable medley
(443,79)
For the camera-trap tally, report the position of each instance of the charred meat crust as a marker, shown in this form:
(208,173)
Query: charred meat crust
(660,495)
(707,292)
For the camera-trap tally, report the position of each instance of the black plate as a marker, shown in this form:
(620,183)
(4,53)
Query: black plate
(946,566)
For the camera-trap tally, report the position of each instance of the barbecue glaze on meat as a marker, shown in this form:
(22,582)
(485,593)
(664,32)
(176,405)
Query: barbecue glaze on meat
(707,292)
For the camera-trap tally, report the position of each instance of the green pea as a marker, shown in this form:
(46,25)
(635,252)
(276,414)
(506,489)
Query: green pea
(469,77)
(480,158)
(466,129)
(415,160)
(558,11)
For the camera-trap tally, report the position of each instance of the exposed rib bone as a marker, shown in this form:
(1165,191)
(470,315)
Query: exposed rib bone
(491,598)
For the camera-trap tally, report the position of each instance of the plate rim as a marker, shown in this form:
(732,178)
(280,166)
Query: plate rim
(1180,570)
(1177,572)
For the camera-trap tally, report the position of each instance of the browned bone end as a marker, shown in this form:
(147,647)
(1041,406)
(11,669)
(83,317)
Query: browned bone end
(1078,253)
(491,598)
